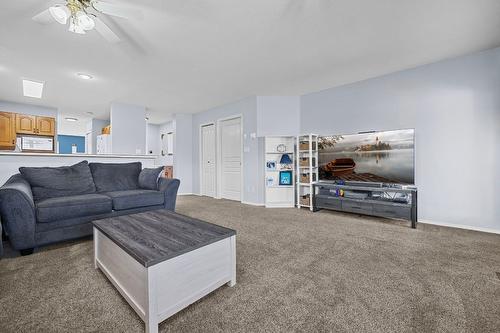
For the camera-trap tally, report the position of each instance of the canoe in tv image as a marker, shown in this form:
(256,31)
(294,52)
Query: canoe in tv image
(386,156)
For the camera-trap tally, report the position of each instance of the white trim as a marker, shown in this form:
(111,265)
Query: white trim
(219,157)
(200,156)
(189,194)
(253,204)
(460,226)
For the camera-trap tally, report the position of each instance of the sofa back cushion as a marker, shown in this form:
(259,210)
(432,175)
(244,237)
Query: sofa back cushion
(50,182)
(148,178)
(110,177)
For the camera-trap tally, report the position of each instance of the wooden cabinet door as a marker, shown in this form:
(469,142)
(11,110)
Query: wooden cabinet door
(25,124)
(7,130)
(45,126)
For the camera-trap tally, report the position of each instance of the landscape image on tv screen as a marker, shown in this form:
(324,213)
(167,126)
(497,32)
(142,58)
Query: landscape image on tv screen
(386,157)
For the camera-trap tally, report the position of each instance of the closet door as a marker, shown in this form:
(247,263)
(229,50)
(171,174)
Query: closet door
(231,158)
(208,161)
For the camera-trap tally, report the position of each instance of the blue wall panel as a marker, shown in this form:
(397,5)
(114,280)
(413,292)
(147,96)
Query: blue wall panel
(66,141)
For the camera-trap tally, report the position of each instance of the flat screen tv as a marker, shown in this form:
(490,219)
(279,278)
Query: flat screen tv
(383,157)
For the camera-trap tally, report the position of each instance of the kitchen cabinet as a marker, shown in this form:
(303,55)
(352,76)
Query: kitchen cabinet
(27,124)
(45,126)
(7,131)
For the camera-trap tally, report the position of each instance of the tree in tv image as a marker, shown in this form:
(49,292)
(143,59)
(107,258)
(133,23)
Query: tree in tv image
(386,156)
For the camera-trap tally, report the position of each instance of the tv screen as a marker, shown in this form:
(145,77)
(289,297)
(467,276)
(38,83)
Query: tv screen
(386,157)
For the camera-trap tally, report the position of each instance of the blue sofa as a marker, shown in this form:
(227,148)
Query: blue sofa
(40,206)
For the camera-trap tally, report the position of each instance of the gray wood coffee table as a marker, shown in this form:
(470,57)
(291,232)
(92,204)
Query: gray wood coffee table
(161,261)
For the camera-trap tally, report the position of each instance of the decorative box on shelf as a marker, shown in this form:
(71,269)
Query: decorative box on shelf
(304,145)
(306,177)
(305,199)
(304,161)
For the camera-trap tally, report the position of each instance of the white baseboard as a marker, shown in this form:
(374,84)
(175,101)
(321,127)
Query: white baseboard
(187,194)
(252,203)
(460,226)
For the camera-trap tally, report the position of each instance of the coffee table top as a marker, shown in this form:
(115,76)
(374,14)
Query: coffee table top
(158,235)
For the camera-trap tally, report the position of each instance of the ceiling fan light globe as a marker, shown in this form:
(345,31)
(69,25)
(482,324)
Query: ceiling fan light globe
(85,21)
(75,27)
(60,13)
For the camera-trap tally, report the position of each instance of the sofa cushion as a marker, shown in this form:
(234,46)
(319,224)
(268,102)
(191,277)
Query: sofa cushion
(54,209)
(110,177)
(60,181)
(135,198)
(148,178)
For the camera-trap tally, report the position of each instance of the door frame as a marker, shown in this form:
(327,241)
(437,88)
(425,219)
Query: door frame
(219,156)
(200,156)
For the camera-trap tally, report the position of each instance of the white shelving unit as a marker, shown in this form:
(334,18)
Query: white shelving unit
(307,168)
(279,195)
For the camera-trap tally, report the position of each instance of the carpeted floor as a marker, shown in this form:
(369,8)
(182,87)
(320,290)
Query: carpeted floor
(296,271)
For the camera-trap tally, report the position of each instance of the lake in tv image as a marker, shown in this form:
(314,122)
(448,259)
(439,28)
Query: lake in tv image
(386,156)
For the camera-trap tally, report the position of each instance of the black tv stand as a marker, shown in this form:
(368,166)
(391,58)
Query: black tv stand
(376,199)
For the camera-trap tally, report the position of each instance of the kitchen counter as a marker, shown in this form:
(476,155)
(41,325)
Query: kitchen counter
(9,153)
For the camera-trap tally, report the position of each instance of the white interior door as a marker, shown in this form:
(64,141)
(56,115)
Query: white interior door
(208,161)
(230,153)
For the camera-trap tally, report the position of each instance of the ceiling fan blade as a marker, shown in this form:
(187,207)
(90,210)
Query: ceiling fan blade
(116,10)
(105,31)
(43,17)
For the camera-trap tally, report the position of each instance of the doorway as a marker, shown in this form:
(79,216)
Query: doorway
(230,158)
(208,160)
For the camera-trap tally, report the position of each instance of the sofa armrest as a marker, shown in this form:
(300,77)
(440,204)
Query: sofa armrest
(17,210)
(169,187)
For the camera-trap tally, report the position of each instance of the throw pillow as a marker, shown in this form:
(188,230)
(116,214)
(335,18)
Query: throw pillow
(109,177)
(50,182)
(148,178)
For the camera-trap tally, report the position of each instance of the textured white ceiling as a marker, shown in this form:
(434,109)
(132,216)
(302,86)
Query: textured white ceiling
(190,55)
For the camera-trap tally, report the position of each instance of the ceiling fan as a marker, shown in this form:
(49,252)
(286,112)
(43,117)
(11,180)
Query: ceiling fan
(83,16)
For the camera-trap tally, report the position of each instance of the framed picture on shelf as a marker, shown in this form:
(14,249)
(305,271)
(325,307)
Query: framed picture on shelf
(286,177)
(270,181)
(271,165)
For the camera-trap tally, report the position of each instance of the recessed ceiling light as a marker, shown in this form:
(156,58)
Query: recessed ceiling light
(90,113)
(71,119)
(32,88)
(84,76)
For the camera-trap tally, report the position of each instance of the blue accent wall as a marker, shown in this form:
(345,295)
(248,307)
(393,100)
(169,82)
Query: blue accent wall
(66,141)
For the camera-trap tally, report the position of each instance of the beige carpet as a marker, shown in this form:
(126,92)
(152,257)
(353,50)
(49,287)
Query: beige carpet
(296,271)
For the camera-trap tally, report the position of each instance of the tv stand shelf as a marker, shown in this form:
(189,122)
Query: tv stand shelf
(377,199)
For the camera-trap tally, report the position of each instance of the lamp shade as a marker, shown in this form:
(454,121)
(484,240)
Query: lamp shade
(75,27)
(285,159)
(60,13)
(85,21)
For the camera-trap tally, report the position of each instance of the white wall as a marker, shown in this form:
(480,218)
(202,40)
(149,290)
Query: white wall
(164,129)
(153,139)
(65,127)
(128,128)
(35,110)
(94,128)
(454,106)
(253,177)
(183,152)
(278,115)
